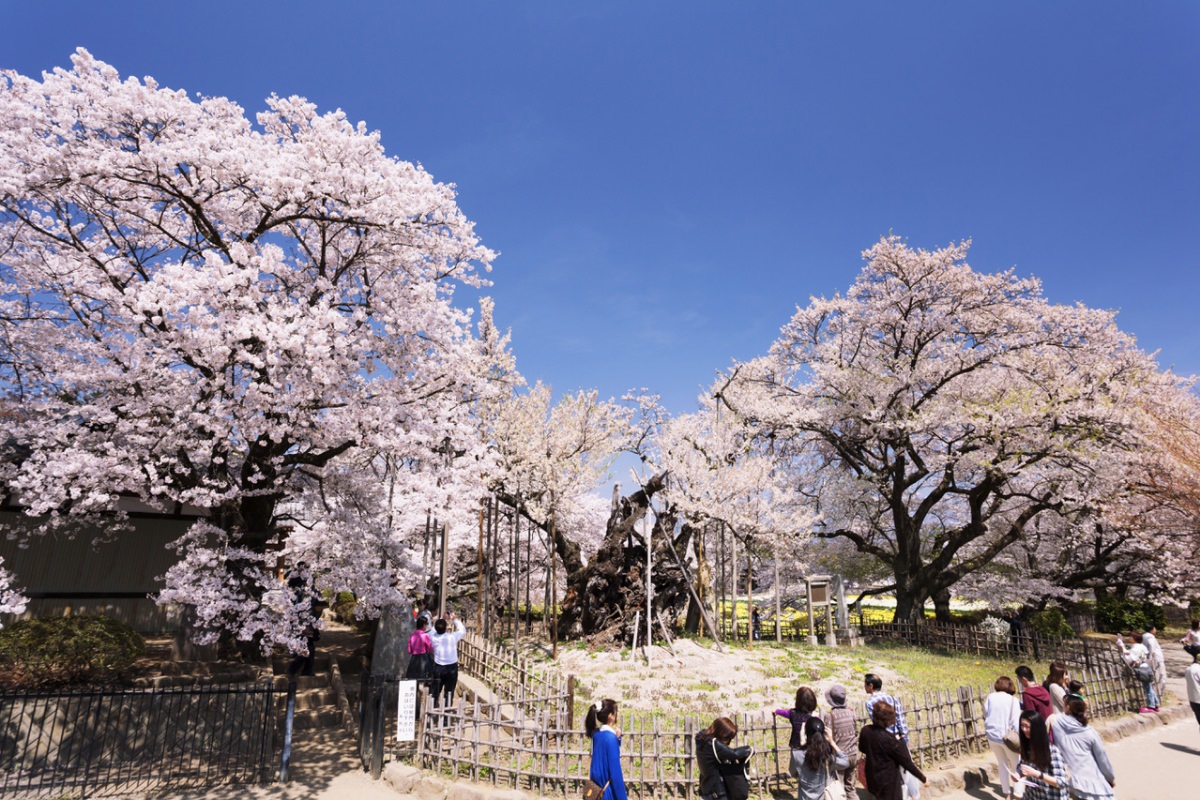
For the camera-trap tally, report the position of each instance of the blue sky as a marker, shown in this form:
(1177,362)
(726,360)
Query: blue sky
(666,181)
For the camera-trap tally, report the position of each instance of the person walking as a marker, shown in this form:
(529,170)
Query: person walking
(818,770)
(842,724)
(1033,697)
(1138,658)
(885,754)
(1191,639)
(1091,773)
(1191,677)
(445,658)
(806,704)
(873,685)
(1002,715)
(601,727)
(722,767)
(1043,772)
(1056,684)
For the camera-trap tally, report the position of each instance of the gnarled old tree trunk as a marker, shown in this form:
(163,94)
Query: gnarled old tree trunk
(604,596)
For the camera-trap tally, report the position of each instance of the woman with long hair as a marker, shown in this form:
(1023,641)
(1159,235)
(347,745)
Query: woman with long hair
(1044,773)
(605,769)
(1056,684)
(822,760)
(722,768)
(1091,773)
(886,755)
(1002,712)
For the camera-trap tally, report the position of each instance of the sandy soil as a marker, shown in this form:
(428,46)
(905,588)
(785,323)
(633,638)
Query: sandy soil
(699,679)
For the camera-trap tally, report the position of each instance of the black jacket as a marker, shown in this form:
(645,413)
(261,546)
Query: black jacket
(885,755)
(722,769)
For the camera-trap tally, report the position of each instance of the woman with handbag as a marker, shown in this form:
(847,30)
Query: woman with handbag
(1138,659)
(1002,714)
(605,779)
(817,774)
(722,768)
(1044,774)
(886,757)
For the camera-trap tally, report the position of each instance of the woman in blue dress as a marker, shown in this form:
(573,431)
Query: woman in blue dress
(601,727)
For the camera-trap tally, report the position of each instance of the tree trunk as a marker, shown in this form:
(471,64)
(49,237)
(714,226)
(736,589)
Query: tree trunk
(941,604)
(703,582)
(603,596)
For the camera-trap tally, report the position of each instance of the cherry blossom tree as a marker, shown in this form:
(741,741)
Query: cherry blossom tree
(935,412)
(720,471)
(11,599)
(251,318)
(550,458)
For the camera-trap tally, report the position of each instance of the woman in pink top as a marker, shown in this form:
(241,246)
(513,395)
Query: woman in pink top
(420,651)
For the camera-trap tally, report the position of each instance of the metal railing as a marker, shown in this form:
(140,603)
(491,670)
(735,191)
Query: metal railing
(116,742)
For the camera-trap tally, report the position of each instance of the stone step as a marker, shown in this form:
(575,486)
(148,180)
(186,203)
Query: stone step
(319,680)
(279,664)
(229,672)
(309,698)
(312,718)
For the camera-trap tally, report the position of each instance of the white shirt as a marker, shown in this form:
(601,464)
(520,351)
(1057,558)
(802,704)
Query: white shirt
(1137,654)
(1002,713)
(445,645)
(1191,677)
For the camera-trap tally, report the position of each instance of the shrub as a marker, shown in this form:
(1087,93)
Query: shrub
(343,606)
(1050,622)
(996,629)
(1116,614)
(67,650)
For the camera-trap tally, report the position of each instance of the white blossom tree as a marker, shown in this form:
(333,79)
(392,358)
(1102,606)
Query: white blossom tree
(935,412)
(550,458)
(12,601)
(239,317)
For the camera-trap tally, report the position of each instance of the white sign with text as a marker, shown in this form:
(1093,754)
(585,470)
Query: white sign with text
(406,711)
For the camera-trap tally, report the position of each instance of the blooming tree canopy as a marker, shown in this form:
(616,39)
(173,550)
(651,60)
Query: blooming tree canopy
(242,317)
(935,412)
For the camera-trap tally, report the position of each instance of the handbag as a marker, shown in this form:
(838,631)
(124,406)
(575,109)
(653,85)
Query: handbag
(834,790)
(1012,740)
(861,769)
(593,790)
(1144,672)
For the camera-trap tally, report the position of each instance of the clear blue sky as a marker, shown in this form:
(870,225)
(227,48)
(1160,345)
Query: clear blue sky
(666,181)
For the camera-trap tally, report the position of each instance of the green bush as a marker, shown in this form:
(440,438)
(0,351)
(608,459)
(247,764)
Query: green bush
(343,606)
(1050,622)
(67,650)
(1115,614)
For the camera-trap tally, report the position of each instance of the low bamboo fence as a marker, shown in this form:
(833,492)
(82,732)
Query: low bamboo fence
(527,739)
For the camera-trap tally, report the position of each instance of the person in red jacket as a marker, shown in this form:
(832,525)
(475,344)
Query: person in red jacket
(1034,697)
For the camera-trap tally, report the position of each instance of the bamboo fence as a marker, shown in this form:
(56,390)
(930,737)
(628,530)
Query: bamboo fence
(528,740)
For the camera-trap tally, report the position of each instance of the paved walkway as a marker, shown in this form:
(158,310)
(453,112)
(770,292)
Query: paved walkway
(1161,764)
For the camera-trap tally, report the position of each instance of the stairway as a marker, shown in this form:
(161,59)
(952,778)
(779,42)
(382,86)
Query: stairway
(317,703)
